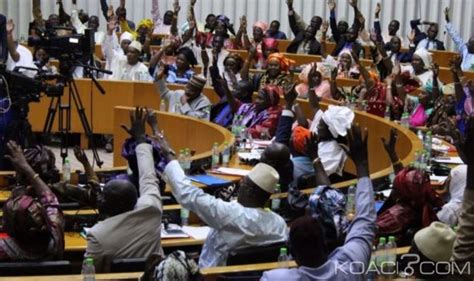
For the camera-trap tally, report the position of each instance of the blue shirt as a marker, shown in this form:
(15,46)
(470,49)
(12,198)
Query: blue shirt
(467,58)
(182,79)
(353,256)
(279,35)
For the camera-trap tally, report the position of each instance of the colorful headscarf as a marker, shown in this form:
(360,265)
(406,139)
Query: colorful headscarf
(262,25)
(22,216)
(273,92)
(148,23)
(300,134)
(413,187)
(43,162)
(285,63)
(128,152)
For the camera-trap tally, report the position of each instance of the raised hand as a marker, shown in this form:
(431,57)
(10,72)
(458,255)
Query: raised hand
(252,52)
(289,3)
(378,8)
(334,74)
(17,158)
(358,150)
(411,36)
(137,125)
(290,95)
(10,26)
(80,155)
(446,14)
(311,145)
(204,56)
(435,69)
(332,5)
(353,3)
(110,12)
(193,2)
(243,23)
(455,63)
(176,7)
(111,24)
(151,120)
(390,144)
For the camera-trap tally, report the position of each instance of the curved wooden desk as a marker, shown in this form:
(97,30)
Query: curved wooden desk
(180,131)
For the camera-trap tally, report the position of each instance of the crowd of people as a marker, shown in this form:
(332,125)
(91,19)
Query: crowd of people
(258,92)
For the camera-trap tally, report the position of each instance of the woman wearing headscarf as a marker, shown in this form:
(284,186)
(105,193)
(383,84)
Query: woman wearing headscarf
(276,73)
(258,30)
(181,71)
(222,28)
(421,68)
(31,218)
(269,46)
(321,87)
(260,117)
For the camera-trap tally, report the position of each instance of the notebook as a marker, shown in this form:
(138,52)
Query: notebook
(209,180)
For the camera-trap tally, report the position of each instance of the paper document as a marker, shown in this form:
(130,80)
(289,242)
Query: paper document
(231,171)
(449,160)
(439,179)
(197,232)
(173,231)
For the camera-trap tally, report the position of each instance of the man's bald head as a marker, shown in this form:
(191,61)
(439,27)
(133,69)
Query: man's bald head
(275,153)
(117,197)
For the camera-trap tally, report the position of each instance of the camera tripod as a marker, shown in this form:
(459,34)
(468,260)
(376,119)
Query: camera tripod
(64,121)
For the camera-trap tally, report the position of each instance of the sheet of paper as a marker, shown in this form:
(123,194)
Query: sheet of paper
(197,232)
(440,179)
(231,171)
(449,160)
(173,231)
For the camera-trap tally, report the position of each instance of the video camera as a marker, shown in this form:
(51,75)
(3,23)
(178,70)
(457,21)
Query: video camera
(23,89)
(67,49)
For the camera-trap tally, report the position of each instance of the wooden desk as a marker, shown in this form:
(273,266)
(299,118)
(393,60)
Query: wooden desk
(74,242)
(100,276)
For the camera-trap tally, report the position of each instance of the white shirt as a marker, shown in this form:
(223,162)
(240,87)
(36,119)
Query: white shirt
(426,42)
(332,156)
(26,60)
(116,61)
(80,27)
(233,225)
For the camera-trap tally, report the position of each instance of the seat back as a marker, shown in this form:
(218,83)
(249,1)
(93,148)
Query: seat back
(251,255)
(35,268)
(128,265)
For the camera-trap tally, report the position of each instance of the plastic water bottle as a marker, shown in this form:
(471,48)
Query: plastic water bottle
(181,160)
(420,135)
(350,203)
(226,155)
(380,253)
(428,143)
(405,120)
(184,214)
(276,201)
(391,256)
(283,259)
(372,272)
(66,170)
(177,107)
(88,269)
(387,113)
(163,106)
(187,161)
(215,156)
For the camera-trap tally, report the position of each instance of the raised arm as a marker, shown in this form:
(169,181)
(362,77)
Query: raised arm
(174,23)
(105,9)
(457,74)
(37,14)
(110,40)
(453,33)
(389,146)
(324,30)
(82,158)
(155,13)
(11,41)
(377,28)
(332,20)
(244,72)
(358,243)
(463,251)
(64,18)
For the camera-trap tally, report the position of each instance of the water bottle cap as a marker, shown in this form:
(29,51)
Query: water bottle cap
(66,161)
(90,261)
(391,239)
(283,251)
(382,240)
